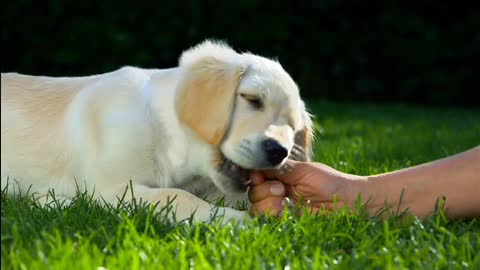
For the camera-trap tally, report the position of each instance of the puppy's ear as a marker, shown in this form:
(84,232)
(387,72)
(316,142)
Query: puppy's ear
(302,150)
(206,91)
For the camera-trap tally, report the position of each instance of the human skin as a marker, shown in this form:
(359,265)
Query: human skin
(455,178)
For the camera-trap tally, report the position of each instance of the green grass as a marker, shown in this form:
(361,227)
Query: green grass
(361,139)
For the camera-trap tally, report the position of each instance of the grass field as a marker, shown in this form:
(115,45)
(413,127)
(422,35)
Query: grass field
(360,139)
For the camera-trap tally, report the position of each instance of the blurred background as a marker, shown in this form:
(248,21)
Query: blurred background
(420,52)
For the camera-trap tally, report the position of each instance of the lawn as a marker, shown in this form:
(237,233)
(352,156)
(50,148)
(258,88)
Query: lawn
(360,139)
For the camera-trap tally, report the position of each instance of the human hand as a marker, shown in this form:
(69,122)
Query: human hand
(314,184)
(416,189)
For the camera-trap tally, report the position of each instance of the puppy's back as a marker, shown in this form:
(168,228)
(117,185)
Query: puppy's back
(38,94)
(32,128)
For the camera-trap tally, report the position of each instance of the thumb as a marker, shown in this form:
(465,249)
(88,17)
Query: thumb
(290,173)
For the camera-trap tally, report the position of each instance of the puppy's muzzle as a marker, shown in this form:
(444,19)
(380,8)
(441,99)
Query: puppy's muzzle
(274,151)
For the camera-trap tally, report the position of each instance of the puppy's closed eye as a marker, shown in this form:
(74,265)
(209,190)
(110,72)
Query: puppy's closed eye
(254,101)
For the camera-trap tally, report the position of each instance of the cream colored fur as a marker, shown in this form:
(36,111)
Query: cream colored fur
(163,130)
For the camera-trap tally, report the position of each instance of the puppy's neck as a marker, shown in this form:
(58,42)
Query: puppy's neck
(179,152)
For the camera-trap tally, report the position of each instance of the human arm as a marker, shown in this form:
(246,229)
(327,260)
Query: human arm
(457,178)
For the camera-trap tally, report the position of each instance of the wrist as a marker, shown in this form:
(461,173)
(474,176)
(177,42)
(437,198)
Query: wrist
(356,187)
(377,193)
(369,191)
(398,195)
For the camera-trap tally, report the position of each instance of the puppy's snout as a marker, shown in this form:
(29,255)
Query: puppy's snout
(275,152)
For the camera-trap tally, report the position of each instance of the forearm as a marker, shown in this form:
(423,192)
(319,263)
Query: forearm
(457,178)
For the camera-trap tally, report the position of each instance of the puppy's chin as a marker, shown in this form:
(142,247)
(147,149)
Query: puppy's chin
(231,185)
(231,177)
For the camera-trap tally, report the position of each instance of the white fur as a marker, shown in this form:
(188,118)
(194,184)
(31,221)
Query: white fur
(101,131)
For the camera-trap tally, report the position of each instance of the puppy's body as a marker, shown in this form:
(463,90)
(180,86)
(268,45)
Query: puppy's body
(145,126)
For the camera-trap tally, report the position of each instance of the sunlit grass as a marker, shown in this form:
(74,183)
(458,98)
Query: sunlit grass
(362,139)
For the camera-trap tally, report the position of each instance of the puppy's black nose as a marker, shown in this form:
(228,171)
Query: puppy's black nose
(275,151)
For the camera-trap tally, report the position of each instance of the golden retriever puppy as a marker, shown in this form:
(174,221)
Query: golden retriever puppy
(189,132)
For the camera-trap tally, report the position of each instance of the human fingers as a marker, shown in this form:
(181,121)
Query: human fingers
(291,172)
(257,178)
(266,189)
(270,205)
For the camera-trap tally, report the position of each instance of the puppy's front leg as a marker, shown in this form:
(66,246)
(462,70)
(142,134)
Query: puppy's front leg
(184,204)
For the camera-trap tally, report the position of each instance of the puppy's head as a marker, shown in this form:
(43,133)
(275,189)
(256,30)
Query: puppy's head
(246,107)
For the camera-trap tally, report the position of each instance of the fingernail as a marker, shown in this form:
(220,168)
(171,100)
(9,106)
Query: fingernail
(277,189)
